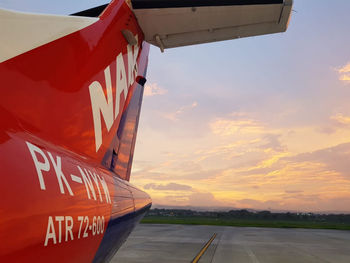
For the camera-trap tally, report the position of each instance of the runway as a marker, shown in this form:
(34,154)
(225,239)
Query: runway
(181,243)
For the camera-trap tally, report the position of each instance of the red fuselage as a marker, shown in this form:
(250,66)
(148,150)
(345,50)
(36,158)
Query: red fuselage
(66,156)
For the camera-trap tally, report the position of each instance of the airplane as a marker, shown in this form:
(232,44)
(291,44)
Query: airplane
(71,94)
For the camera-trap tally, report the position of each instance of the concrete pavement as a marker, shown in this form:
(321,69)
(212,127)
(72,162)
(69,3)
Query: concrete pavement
(181,243)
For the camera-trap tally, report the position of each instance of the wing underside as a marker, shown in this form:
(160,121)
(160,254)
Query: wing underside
(175,23)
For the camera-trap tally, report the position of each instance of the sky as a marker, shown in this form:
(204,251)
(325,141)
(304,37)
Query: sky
(260,123)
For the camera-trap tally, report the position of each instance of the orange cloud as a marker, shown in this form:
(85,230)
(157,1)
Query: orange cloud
(345,78)
(344,73)
(340,118)
(227,127)
(345,69)
(169,187)
(249,160)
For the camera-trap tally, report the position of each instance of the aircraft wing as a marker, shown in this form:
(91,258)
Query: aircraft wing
(175,23)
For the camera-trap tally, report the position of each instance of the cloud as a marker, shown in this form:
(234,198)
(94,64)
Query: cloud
(227,150)
(326,129)
(311,203)
(203,199)
(272,142)
(345,78)
(334,158)
(237,123)
(168,187)
(153,89)
(258,170)
(312,181)
(293,191)
(344,73)
(345,69)
(227,127)
(338,122)
(341,119)
(261,165)
(256,204)
(174,116)
(194,198)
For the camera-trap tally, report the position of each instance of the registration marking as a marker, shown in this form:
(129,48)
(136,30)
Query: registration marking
(76,179)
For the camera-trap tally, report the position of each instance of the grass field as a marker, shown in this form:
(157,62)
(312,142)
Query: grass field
(243,223)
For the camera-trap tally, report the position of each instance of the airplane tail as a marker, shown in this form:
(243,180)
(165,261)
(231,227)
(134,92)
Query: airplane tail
(79,80)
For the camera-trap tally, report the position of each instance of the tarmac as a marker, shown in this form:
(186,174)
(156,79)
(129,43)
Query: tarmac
(182,243)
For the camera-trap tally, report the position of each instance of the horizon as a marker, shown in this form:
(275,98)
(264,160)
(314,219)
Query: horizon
(227,209)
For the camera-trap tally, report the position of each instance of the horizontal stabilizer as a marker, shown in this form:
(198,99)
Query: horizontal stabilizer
(175,23)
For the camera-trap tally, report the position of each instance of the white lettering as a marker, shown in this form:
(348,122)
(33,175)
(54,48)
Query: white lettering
(104,106)
(59,219)
(59,174)
(131,66)
(88,184)
(136,53)
(50,232)
(69,227)
(81,219)
(65,228)
(121,83)
(100,105)
(94,177)
(39,166)
(132,63)
(105,188)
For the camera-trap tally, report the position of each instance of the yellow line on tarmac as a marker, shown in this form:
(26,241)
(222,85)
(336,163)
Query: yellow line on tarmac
(196,259)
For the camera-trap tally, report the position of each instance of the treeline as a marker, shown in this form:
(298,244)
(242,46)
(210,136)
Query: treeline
(244,214)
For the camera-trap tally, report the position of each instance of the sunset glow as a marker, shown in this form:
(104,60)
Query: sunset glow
(259,123)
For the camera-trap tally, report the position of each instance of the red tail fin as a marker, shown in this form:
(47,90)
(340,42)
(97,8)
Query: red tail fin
(79,91)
